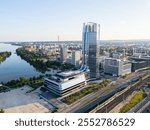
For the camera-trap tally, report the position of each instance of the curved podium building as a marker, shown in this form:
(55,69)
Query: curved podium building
(65,82)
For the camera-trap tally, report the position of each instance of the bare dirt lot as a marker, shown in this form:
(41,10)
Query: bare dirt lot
(18,100)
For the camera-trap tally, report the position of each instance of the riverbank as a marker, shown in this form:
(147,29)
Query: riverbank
(14,67)
(42,63)
(4,56)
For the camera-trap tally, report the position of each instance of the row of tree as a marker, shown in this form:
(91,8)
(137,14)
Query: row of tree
(93,87)
(34,82)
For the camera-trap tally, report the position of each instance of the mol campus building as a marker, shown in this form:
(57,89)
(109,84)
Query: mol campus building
(65,82)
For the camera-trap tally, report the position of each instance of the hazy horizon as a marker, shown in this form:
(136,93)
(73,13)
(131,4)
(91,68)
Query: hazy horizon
(74,40)
(36,20)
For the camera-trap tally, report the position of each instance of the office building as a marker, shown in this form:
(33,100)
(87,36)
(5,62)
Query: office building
(117,67)
(91,35)
(65,82)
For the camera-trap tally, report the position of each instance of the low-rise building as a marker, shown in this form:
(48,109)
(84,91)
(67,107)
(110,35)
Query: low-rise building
(139,63)
(65,82)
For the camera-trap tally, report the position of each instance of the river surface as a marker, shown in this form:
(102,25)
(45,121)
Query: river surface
(14,67)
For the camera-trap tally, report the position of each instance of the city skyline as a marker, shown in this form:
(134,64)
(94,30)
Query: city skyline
(36,20)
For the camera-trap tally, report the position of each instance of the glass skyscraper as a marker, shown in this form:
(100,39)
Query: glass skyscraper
(91,37)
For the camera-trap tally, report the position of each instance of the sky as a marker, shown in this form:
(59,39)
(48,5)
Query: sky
(44,20)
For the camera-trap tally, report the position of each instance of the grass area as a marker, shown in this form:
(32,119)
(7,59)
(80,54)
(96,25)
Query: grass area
(33,82)
(134,100)
(93,87)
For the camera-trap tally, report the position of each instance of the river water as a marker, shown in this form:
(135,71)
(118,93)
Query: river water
(14,67)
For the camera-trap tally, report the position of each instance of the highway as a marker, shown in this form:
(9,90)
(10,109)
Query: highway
(121,98)
(102,98)
(95,96)
(83,101)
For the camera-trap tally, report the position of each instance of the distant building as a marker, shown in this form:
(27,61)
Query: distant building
(139,63)
(76,58)
(91,32)
(69,60)
(65,82)
(117,55)
(106,54)
(117,67)
(63,54)
(31,48)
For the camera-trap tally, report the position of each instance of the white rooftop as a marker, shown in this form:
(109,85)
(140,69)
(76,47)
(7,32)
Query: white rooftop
(69,73)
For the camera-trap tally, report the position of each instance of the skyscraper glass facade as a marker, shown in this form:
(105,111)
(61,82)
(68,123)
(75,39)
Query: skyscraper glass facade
(91,32)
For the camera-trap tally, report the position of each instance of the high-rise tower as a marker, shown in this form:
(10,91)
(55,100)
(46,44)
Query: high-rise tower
(63,54)
(91,36)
